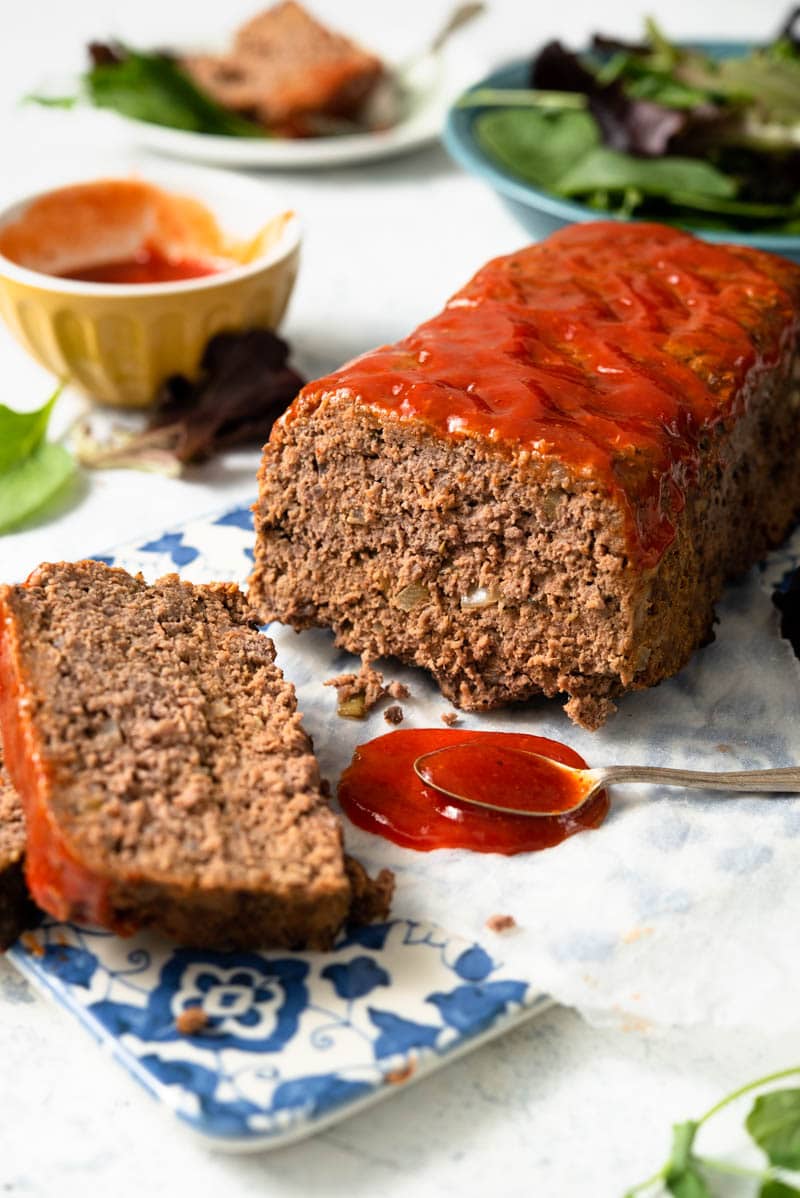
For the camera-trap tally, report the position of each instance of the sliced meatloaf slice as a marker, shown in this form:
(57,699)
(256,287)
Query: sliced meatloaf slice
(17,912)
(543,489)
(160,758)
(286,67)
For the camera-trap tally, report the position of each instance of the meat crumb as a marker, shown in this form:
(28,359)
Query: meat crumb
(191,1021)
(501,923)
(449,717)
(393,714)
(398,690)
(370,897)
(358,693)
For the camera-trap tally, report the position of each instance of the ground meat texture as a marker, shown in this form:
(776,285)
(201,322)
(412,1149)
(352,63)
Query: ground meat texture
(501,923)
(191,1021)
(357,694)
(509,571)
(17,911)
(160,758)
(393,714)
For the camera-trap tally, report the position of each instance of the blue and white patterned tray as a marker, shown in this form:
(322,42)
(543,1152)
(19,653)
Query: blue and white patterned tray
(292,1041)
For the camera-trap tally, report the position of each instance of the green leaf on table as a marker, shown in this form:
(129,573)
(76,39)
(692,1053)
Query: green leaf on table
(28,486)
(772,1188)
(774,1124)
(682,1176)
(538,146)
(689,1184)
(152,88)
(21,433)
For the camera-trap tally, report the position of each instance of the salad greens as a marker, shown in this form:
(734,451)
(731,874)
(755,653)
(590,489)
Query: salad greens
(773,1124)
(657,130)
(32,469)
(152,88)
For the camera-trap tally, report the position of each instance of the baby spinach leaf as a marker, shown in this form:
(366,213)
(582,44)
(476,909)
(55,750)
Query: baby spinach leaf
(774,1124)
(27,486)
(536,145)
(21,433)
(150,87)
(611,170)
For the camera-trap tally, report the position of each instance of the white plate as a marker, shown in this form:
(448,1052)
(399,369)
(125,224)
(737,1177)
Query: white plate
(430,87)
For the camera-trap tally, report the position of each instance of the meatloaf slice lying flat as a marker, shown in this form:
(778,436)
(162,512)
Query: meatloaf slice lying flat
(17,912)
(159,755)
(543,489)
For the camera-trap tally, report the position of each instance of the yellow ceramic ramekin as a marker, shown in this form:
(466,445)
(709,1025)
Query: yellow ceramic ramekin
(118,342)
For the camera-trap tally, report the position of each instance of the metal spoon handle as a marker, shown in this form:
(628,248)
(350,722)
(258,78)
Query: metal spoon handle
(777,781)
(458,18)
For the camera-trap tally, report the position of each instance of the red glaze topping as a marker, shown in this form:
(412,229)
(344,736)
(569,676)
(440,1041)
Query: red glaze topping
(610,347)
(380,792)
(58,882)
(148,266)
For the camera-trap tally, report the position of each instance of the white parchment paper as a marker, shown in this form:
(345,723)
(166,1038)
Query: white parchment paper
(682,908)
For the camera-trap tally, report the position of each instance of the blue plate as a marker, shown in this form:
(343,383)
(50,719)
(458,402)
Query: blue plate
(290,1042)
(541,212)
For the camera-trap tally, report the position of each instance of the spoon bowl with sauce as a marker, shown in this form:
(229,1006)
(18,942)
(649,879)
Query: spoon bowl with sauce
(117,283)
(541,787)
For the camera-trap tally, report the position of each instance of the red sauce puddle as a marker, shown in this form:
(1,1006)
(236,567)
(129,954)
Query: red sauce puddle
(148,266)
(380,792)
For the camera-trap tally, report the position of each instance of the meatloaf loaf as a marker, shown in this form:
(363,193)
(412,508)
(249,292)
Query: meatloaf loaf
(544,488)
(160,758)
(17,912)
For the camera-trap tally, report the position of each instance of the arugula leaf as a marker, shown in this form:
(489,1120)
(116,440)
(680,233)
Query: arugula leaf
(21,433)
(772,1188)
(536,145)
(774,1124)
(27,486)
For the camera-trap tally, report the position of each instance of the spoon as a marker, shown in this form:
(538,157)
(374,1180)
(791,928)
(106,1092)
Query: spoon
(388,100)
(537,786)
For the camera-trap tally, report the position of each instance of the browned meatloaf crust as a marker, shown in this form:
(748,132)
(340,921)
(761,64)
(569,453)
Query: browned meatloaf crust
(543,489)
(17,912)
(165,775)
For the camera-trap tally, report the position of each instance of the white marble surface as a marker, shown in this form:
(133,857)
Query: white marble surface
(555,1108)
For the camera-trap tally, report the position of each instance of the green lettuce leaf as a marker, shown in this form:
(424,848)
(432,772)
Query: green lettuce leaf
(774,1124)
(28,486)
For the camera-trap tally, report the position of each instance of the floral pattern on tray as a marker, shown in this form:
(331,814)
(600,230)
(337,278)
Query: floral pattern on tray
(289,1040)
(286,1038)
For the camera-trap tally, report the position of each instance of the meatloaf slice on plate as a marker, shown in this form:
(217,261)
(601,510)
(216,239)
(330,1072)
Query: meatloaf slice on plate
(159,755)
(285,69)
(543,489)
(17,912)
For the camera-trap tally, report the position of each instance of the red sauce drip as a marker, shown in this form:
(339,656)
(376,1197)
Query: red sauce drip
(380,792)
(148,266)
(612,348)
